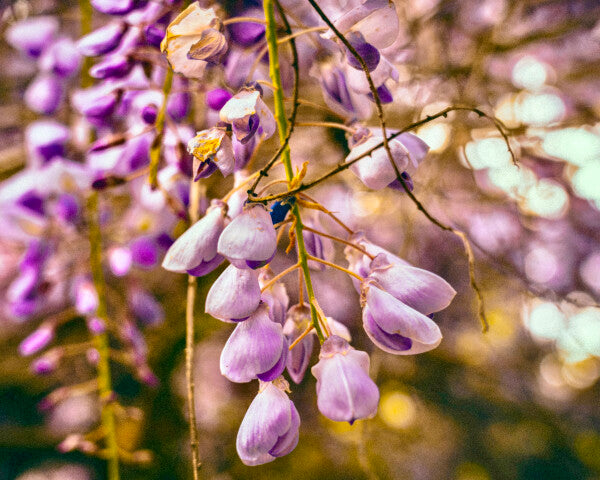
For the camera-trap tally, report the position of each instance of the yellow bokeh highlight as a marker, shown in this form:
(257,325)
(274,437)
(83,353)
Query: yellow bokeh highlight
(397,410)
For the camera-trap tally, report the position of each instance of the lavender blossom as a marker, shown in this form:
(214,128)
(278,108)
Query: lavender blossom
(345,392)
(193,40)
(32,35)
(297,321)
(250,240)
(243,283)
(196,249)
(212,149)
(44,94)
(248,115)
(419,289)
(394,326)
(255,349)
(270,426)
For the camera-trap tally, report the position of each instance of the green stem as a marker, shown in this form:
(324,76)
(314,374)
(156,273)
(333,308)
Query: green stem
(282,126)
(155,149)
(101,341)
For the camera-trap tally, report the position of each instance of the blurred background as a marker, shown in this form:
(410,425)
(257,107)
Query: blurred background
(518,402)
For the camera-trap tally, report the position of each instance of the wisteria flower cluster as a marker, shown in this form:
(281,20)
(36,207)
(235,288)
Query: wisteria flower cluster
(166,140)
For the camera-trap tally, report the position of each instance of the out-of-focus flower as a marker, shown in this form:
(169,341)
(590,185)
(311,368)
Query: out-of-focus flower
(32,35)
(103,40)
(44,94)
(193,40)
(270,426)
(345,392)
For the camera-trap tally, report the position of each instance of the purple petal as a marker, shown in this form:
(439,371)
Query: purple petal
(269,418)
(345,392)
(419,289)
(393,316)
(32,35)
(278,368)
(254,347)
(249,237)
(44,94)
(103,40)
(198,245)
(288,441)
(234,295)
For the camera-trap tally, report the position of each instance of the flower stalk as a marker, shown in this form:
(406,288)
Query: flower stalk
(282,127)
(101,342)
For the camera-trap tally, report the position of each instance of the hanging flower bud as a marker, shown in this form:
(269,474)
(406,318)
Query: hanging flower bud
(336,93)
(193,40)
(114,66)
(250,240)
(103,40)
(345,392)
(317,246)
(212,149)
(255,349)
(270,426)
(248,115)
(298,320)
(196,250)
(95,103)
(375,170)
(419,289)
(234,296)
(395,327)
(376,20)
(85,296)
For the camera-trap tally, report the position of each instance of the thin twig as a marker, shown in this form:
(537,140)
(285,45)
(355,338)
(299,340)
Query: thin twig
(190,340)
(338,267)
(279,276)
(341,240)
